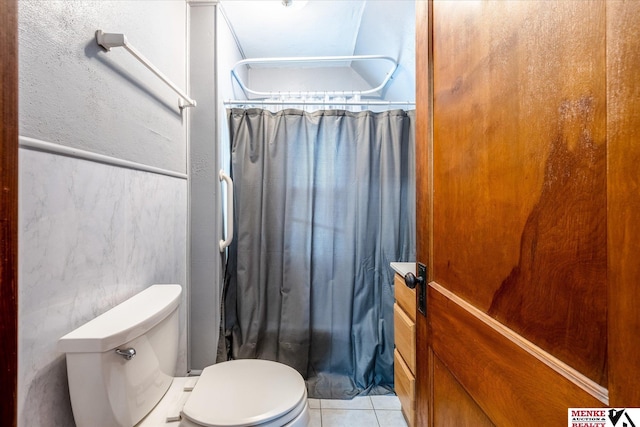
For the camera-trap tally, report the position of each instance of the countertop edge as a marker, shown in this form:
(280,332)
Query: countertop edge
(403,268)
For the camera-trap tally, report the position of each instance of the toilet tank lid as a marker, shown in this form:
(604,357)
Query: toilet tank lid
(124,322)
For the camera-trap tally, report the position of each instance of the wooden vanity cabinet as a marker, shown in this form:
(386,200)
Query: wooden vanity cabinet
(404,316)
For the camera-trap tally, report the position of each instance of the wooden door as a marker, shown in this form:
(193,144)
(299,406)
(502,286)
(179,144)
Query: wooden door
(8,210)
(528,209)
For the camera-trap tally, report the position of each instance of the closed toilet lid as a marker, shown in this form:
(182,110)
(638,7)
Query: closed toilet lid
(244,393)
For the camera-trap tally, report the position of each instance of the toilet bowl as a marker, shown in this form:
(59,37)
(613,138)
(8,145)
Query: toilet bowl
(120,369)
(236,393)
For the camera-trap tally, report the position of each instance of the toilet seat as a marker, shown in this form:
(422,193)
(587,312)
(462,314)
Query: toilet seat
(247,392)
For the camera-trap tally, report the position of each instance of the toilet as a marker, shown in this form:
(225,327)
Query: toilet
(120,368)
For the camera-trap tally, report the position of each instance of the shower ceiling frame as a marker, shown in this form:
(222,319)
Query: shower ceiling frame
(314,59)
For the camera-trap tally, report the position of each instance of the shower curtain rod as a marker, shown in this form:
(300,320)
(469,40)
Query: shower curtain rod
(337,103)
(316,59)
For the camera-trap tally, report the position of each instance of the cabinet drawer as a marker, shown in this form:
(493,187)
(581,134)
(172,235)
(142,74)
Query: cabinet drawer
(405,297)
(404,384)
(404,330)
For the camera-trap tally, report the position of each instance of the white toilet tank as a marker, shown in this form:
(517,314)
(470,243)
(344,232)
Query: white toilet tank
(108,387)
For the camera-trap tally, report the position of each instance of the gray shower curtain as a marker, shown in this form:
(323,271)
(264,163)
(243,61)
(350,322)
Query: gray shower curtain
(324,201)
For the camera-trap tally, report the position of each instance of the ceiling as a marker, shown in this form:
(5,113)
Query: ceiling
(266,28)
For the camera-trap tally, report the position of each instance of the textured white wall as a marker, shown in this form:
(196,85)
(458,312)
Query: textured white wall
(388,28)
(92,235)
(227,56)
(74,93)
(306,79)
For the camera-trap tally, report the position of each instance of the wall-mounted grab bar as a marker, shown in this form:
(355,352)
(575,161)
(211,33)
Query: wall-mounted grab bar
(292,60)
(226,178)
(109,40)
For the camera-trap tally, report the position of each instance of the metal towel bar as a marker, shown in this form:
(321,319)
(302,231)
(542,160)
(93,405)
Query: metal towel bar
(109,40)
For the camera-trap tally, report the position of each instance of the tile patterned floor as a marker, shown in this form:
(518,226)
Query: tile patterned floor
(367,411)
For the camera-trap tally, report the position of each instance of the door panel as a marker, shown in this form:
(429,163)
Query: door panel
(454,406)
(528,209)
(514,382)
(519,169)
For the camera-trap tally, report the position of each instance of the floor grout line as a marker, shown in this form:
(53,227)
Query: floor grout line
(377,412)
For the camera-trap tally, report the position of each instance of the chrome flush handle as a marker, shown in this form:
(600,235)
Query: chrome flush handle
(127,353)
